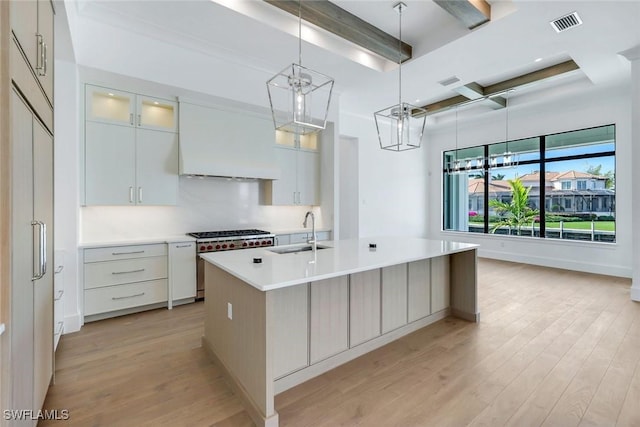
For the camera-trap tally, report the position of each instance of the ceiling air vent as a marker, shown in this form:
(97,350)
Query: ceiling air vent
(451,80)
(565,22)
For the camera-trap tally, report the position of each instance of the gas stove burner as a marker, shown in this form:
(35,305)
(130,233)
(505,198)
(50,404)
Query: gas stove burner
(226,240)
(227,233)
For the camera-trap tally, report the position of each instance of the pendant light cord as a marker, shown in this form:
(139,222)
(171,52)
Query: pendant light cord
(299,32)
(400,60)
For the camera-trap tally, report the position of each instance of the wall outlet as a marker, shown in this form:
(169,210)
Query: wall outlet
(230,311)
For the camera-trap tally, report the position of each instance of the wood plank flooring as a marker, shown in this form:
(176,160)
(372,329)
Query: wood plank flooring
(553,348)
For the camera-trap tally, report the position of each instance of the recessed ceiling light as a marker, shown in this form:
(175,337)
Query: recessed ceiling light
(417,99)
(537,60)
(110,94)
(156,102)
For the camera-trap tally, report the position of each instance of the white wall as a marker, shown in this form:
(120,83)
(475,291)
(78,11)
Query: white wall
(533,115)
(392,185)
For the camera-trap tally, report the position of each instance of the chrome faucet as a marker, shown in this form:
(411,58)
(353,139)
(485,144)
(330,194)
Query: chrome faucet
(313,239)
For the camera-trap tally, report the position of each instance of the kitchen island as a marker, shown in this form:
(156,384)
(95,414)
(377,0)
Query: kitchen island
(277,317)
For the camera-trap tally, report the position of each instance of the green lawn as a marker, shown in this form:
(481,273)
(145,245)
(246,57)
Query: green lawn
(585,225)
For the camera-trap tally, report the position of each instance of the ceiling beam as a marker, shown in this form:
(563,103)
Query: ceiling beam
(474,91)
(492,92)
(338,21)
(471,13)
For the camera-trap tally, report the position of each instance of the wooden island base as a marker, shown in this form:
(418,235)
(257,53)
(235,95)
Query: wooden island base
(269,341)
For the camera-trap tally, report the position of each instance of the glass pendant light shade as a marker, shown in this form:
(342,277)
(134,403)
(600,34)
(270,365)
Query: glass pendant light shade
(400,127)
(299,98)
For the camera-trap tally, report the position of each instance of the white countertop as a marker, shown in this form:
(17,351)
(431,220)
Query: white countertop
(340,258)
(136,241)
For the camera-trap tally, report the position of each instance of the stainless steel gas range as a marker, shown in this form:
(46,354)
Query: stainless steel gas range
(227,240)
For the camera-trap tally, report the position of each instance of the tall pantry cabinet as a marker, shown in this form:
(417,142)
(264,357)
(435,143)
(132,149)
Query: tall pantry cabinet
(26,206)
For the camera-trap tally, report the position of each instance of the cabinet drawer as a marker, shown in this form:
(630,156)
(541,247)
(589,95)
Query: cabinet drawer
(119,297)
(99,274)
(124,252)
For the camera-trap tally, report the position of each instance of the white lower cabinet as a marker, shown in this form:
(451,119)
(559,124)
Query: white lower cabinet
(291,316)
(419,289)
(124,277)
(294,238)
(182,270)
(364,306)
(394,297)
(329,329)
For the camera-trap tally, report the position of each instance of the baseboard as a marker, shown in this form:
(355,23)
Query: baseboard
(565,264)
(238,390)
(635,293)
(72,323)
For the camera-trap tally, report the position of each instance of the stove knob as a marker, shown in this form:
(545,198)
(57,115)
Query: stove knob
(217,246)
(264,242)
(244,244)
(203,247)
(224,246)
(250,243)
(232,246)
(209,247)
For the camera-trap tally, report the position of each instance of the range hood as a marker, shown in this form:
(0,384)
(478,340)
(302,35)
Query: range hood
(226,143)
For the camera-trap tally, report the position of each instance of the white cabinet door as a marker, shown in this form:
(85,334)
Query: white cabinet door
(156,114)
(440,294)
(156,167)
(329,318)
(364,306)
(308,177)
(45,29)
(43,288)
(109,106)
(110,164)
(291,329)
(182,270)
(394,297)
(284,190)
(419,286)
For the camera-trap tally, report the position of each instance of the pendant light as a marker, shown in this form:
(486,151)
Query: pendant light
(299,97)
(401,126)
(456,166)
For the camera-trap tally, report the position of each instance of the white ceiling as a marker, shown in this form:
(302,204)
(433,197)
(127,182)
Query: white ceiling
(507,46)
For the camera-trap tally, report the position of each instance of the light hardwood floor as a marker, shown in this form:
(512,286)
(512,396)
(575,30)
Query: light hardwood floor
(553,348)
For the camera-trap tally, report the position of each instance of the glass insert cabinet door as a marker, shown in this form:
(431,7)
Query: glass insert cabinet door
(129,109)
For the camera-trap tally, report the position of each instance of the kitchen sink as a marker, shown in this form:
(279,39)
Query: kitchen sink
(296,249)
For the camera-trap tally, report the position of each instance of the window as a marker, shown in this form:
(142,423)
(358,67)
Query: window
(541,171)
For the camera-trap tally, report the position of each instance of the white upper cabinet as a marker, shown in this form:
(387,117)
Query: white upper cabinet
(299,162)
(131,149)
(32,25)
(128,109)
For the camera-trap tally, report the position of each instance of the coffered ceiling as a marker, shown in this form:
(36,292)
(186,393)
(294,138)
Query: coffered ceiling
(260,37)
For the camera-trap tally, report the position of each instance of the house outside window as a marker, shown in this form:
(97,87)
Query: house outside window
(568,180)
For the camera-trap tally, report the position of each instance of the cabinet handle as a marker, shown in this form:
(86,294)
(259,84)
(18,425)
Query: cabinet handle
(38,275)
(140,270)
(131,118)
(139,120)
(139,194)
(45,60)
(130,194)
(127,253)
(59,269)
(40,55)
(128,296)
(60,293)
(183,246)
